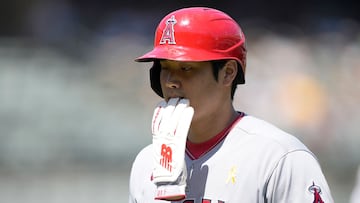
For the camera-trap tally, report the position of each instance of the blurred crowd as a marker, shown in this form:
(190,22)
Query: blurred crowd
(73,103)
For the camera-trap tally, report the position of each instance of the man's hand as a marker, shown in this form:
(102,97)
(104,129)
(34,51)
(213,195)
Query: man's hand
(170,125)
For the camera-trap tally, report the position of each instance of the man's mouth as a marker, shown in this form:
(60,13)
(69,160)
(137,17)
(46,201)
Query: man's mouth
(180,97)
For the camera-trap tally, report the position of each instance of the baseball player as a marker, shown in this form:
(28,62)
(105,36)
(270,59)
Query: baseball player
(203,150)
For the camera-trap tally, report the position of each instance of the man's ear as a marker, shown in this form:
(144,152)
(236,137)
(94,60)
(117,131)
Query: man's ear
(229,72)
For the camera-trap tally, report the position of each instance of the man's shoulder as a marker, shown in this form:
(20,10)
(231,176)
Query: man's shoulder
(270,134)
(144,153)
(143,158)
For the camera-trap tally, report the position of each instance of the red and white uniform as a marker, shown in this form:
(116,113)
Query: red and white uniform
(250,161)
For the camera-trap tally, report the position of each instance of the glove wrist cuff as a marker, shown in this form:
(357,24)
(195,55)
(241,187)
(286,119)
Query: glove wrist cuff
(170,192)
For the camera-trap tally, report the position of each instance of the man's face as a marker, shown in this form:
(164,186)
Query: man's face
(194,81)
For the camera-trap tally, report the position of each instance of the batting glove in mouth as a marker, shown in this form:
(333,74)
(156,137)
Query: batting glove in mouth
(170,126)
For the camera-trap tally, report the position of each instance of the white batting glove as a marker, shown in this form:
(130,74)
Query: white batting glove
(170,125)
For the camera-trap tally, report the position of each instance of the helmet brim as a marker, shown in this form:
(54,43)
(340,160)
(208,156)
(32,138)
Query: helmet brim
(179,53)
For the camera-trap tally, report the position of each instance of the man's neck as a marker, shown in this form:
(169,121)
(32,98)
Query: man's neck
(206,128)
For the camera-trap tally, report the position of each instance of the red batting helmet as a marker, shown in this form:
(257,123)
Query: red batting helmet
(196,34)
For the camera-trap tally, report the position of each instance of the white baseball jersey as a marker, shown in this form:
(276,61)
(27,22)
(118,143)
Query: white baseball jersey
(251,161)
(355,194)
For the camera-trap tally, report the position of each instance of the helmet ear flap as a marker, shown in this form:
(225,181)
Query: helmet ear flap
(240,78)
(155,78)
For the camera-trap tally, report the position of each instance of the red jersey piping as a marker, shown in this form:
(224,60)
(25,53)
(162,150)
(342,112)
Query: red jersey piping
(197,150)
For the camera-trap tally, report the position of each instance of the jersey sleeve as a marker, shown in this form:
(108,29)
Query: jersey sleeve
(297,178)
(355,194)
(139,181)
(133,181)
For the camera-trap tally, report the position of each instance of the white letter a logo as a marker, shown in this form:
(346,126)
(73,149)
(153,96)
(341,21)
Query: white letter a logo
(168,32)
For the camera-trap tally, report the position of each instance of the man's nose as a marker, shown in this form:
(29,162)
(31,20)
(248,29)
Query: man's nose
(172,80)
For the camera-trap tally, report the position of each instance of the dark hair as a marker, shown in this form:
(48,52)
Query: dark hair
(239,79)
(217,65)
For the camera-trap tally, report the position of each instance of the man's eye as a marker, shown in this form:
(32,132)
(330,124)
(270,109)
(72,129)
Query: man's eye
(186,68)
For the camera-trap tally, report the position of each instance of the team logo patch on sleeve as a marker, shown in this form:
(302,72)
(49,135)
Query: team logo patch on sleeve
(168,32)
(316,190)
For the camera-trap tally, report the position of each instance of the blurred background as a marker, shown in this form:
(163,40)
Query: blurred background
(75,108)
